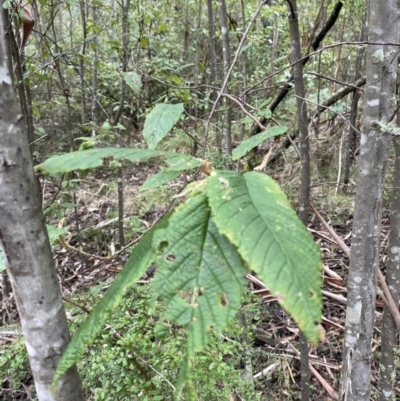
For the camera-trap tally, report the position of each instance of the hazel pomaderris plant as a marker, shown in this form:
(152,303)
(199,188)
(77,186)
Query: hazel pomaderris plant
(228,225)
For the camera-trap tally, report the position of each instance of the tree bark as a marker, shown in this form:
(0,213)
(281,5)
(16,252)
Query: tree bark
(374,153)
(213,55)
(227,146)
(125,53)
(95,108)
(82,8)
(304,199)
(243,62)
(26,247)
(389,342)
(353,111)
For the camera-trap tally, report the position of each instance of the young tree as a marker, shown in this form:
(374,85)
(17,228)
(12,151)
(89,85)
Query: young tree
(304,199)
(226,62)
(374,153)
(389,340)
(26,248)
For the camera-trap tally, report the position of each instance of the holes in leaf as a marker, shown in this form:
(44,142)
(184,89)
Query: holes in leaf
(170,258)
(162,245)
(312,294)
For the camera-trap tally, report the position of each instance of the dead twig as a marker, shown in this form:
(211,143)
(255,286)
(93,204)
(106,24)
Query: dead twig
(329,389)
(387,298)
(266,159)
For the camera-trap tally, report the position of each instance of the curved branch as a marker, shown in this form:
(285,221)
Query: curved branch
(286,88)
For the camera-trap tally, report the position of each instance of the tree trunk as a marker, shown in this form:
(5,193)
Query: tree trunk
(82,8)
(389,341)
(353,112)
(95,60)
(213,55)
(374,153)
(196,71)
(29,260)
(120,182)
(213,60)
(304,198)
(243,62)
(227,146)
(186,32)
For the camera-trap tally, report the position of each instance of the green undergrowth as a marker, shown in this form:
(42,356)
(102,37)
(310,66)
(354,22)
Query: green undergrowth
(127,362)
(14,367)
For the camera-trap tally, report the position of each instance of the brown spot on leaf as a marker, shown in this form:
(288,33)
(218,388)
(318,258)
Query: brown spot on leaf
(223,300)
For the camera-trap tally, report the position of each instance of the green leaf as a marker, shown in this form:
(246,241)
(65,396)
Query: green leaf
(55,233)
(97,288)
(265,103)
(265,113)
(178,163)
(92,158)
(160,121)
(176,80)
(161,178)
(200,275)
(133,80)
(144,42)
(87,142)
(181,162)
(106,127)
(114,43)
(7,4)
(67,205)
(40,131)
(255,140)
(140,259)
(255,215)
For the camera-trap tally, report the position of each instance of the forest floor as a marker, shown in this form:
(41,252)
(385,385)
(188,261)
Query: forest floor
(93,256)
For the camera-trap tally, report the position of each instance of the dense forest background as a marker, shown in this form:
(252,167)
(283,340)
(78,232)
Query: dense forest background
(272,86)
(113,62)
